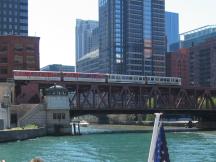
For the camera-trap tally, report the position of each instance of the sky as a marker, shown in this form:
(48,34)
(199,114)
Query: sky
(54,22)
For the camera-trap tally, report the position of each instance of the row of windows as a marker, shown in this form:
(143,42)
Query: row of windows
(102,3)
(18,47)
(136,3)
(14,20)
(3,71)
(3,60)
(59,116)
(119,61)
(119,55)
(10,30)
(13,13)
(135,68)
(135,62)
(30,60)
(10,7)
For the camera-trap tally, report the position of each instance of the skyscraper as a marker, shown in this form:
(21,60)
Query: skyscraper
(172,31)
(87,37)
(202,63)
(14,17)
(132,37)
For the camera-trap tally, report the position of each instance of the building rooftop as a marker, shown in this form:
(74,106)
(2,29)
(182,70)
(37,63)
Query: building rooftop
(58,67)
(56,90)
(199,32)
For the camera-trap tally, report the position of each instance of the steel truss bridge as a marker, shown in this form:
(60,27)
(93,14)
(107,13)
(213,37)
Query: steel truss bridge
(120,98)
(109,98)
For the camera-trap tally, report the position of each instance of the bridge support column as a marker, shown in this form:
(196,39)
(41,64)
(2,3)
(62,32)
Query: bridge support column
(207,123)
(75,128)
(211,125)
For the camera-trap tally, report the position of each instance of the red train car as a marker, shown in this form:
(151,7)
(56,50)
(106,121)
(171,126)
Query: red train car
(37,75)
(84,77)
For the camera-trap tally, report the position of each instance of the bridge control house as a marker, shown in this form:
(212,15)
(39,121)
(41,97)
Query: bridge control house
(52,112)
(57,106)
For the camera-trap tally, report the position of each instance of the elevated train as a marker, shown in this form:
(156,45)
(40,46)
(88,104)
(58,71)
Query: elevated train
(94,77)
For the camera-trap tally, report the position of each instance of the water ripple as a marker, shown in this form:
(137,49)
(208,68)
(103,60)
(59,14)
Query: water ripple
(183,147)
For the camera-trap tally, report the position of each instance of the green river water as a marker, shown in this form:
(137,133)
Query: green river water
(126,147)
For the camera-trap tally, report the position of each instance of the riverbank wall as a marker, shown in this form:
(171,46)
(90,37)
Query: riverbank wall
(14,135)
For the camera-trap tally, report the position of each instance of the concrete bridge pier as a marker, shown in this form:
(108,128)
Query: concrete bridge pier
(208,123)
(75,128)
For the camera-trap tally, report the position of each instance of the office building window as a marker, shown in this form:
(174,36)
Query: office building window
(3,71)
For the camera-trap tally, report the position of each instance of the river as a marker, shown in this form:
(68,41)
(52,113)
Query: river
(126,147)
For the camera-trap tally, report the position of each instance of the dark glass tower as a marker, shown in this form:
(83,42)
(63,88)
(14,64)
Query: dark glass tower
(132,36)
(14,17)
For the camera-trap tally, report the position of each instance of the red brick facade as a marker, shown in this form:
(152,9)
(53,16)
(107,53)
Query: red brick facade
(177,65)
(18,53)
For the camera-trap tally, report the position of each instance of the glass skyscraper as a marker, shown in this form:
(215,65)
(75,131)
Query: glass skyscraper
(172,31)
(14,17)
(87,37)
(132,37)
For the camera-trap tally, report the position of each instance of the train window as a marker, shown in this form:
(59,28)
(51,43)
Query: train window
(84,75)
(73,75)
(130,78)
(98,76)
(140,78)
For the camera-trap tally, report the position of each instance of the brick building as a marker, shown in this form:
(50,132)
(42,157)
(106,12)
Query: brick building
(18,53)
(177,65)
(203,63)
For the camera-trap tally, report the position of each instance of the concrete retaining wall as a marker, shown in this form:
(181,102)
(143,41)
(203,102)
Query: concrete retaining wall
(63,130)
(6,136)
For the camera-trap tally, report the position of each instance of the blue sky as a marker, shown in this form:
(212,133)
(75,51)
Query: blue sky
(54,22)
